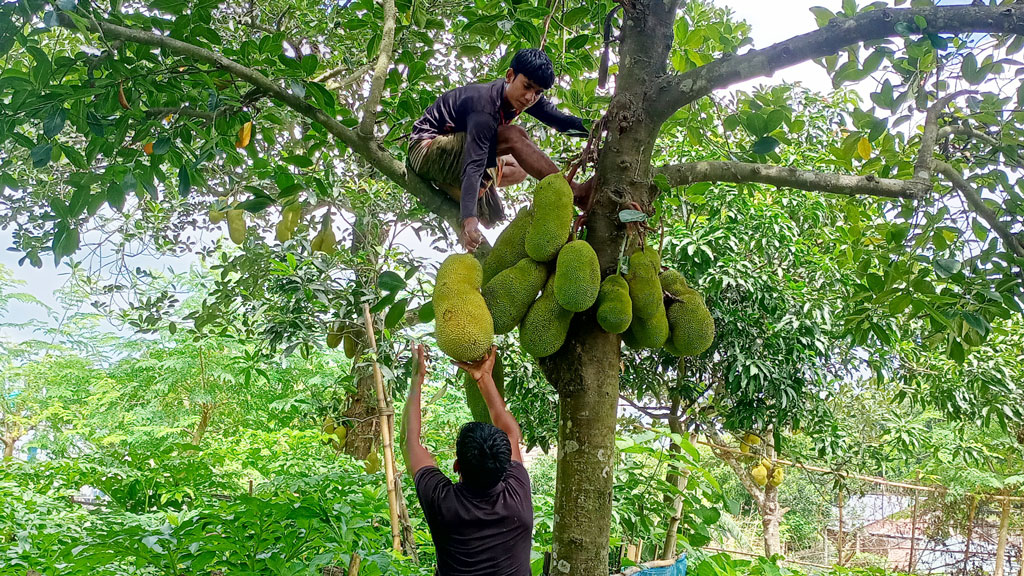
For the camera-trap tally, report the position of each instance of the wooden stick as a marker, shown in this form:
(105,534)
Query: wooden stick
(1004,527)
(386,432)
(353,566)
(913,536)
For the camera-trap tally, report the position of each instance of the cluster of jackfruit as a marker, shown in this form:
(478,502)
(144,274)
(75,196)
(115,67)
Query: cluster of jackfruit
(666,312)
(765,472)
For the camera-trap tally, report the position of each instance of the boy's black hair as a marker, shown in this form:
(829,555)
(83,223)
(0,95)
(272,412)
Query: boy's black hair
(535,65)
(484,454)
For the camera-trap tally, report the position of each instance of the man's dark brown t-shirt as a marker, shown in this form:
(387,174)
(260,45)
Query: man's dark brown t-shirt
(478,534)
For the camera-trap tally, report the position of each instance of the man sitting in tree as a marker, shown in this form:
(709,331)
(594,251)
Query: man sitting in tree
(466,145)
(482,524)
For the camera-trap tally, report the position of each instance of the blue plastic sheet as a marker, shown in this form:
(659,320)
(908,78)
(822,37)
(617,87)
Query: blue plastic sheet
(677,569)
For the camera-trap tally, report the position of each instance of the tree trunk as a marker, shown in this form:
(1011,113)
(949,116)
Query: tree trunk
(204,422)
(363,435)
(679,480)
(1004,527)
(586,374)
(771,519)
(9,448)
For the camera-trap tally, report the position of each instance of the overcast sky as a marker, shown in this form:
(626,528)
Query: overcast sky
(772,21)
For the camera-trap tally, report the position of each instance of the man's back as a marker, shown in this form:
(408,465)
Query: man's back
(479,534)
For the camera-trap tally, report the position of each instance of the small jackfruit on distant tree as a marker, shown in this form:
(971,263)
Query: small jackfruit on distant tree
(543,330)
(614,308)
(749,441)
(759,474)
(236,225)
(510,293)
(462,324)
(552,218)
(216,216)
(475,400)
(333,339)
(693,328)
(577,276)
(351,346)
(510,247)
(644,286)
(777,477)
(325,240)
(328,425)
(289,222)
(651,333)
(372,464)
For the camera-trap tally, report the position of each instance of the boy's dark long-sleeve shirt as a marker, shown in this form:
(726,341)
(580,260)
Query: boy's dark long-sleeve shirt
(478,110)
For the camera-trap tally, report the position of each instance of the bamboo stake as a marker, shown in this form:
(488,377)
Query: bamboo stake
(386,428)
(839,546)
(970,532)
(353,566)
(913,536)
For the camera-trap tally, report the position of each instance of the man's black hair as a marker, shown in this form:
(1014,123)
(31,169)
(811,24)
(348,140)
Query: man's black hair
(484,454)
(535,65)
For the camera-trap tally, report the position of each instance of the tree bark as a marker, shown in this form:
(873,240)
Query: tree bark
(1004,528)
(586,374)
(9,448)
(204,422)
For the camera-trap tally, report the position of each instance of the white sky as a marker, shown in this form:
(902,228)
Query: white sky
(771,20)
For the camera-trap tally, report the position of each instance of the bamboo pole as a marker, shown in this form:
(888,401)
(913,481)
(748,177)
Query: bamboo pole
(839,546)
(913,536)
(386,428)
(1004,527)
(353,566)
(970,532)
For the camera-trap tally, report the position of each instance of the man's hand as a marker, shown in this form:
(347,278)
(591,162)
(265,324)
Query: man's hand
(421,364)
(471,236)
(480,368)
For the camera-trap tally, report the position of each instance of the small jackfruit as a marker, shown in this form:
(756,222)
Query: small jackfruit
(577,276)
(216,216)
(351,346)
(760,474)
(673,283)
(334,335)
(289,222)
(510,293)
(693,328)
(236,225)
(777,477)
(614,308)
(546,325)
(372,464)
(552,218)
(650,333)
(328,425)
(325,241)
(644,286)
(462,324)
(749,441)
(510,247)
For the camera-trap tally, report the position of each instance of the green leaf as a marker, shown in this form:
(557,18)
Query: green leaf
(946,267)
(938,42)
(903,29)
(977,323)
(765,145)
(115,196)
(390,282)
(67,5)
(426,312)
(922,24)
(41,155)
(970,71)
(299,161)
(396,314)
(708,516)
(184,182)
(822,16)
(255,205)
(162,145)
(55,123)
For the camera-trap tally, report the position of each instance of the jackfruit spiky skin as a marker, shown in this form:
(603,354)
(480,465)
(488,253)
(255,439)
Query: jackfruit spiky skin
(650,333)
(693,328)
(475,400)
(614,308)
(510,247)
(673,283)
(644,286)
(552,218)
(462,324)
(760,474)
(511,292)
(546,325)
(577,276)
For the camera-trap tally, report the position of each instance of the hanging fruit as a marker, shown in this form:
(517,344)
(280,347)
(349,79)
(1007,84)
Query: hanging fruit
(244,135)
(236,225)
(121,98)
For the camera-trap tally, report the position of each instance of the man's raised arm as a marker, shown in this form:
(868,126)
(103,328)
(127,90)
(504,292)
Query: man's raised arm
(416,456)
(500,416)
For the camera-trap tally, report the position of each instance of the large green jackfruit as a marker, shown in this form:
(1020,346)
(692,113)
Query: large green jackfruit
(462,324)
(545,326)
(650,333)
(475,400)
(510,247)
(644,286)
(614,308)
(511,292)
(673,283)
(693,329)
(577,276)
(552,218)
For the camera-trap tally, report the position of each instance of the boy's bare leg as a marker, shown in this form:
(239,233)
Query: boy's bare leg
(514,141)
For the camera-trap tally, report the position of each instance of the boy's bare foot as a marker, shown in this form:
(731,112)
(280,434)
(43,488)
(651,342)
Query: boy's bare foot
(582,193)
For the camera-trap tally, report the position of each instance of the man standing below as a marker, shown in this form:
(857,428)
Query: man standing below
(481,525)
(466,145)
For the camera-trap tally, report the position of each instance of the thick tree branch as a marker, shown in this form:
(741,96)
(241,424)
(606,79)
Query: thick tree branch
(380,71)
(672,92)
(352,76)
(433,199)
(785,177)
(966,132)
(923,167)
(974,200)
